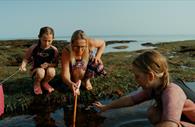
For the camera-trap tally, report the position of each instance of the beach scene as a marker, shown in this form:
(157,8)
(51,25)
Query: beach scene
(128,28)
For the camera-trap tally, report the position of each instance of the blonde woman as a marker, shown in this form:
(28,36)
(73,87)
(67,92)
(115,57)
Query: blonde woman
(78,62)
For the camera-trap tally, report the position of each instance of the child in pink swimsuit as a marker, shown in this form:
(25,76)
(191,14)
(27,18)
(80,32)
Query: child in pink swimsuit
(151,73)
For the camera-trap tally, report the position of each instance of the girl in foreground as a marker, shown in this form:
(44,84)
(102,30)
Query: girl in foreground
(44,57)
(172,106)
(78,62)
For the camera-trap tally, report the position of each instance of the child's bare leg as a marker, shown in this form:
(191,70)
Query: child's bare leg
(39,75)
(50,74)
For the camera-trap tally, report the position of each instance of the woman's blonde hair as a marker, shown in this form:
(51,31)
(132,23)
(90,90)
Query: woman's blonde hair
(153,61)
(77,35)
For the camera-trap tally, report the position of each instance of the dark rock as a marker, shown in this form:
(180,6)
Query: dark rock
(120,47)
(119,41)
(186,49)
(147,44)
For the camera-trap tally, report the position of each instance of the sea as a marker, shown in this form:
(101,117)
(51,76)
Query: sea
(140,38)
(132,46)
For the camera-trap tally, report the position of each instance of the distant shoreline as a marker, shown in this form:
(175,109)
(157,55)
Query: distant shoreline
(111,46)
(140,37)
(31,41)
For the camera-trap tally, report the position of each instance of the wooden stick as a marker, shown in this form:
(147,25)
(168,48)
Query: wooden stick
(75,111)
(75,103)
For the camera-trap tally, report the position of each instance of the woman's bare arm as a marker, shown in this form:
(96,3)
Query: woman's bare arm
(100,45)
(65,73)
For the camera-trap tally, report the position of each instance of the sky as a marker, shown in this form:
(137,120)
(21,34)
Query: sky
(24,18)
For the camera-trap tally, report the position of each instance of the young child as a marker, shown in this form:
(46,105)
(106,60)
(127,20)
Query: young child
(44,57)
(151,73)
(78,63)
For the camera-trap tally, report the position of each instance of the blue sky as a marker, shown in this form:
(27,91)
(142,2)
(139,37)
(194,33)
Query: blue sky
(23,18)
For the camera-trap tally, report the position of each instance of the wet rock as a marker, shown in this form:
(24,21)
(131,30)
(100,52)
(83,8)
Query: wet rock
(119,41)
(187,49)
(120,47)
(147,44)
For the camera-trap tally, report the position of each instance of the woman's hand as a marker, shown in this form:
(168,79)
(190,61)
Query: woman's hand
(100,106)
(97,60)
(75,88)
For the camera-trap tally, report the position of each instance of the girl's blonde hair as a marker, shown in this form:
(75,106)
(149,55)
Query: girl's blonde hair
(153,61)
(77,35)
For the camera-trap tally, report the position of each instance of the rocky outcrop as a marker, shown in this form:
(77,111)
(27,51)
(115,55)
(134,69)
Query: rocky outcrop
(119,41)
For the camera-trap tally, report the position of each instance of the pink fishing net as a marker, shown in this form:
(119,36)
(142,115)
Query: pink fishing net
(1,100)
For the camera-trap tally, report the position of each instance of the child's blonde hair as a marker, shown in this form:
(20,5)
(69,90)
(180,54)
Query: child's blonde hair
(77,35)
(153,61)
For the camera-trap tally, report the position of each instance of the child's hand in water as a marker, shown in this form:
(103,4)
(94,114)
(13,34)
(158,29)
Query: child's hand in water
(100,106)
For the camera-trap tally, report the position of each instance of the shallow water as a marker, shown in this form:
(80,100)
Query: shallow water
(191,85)
(132,46)
(59,118)
(124,117)
(63,118)
(127,117)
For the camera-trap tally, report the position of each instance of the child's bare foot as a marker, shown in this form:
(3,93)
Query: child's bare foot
(37,89)
(88,85)
(47,87)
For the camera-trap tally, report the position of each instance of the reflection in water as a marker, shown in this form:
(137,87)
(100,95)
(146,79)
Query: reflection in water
(85,118)
(43,118)
(18,121)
